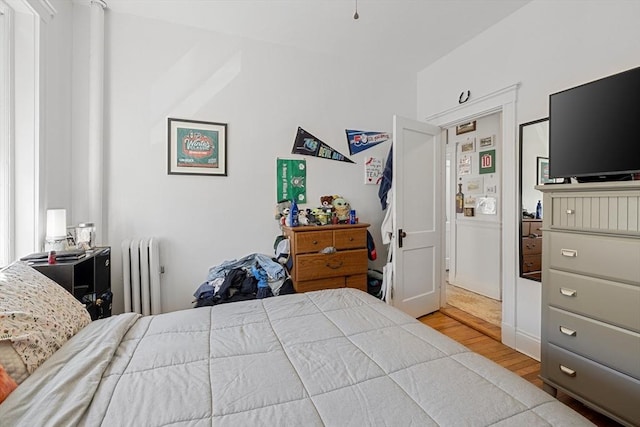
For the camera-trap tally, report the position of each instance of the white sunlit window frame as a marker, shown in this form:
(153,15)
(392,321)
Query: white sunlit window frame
(7,232)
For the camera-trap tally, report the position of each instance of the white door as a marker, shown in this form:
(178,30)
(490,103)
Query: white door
(418,204)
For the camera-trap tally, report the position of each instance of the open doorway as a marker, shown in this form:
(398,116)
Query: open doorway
(504,101)
(473,248)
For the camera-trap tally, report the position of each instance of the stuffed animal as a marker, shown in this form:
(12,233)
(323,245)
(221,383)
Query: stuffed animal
(326,202)
(317,216)
(302,217)
(282,209)
(342,208)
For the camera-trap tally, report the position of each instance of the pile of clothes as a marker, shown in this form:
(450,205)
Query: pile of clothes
(251,277)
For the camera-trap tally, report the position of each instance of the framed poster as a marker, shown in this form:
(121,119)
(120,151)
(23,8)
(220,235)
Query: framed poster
(487,141)
(542,172)
(468,146)
(488,161)
(464,165)
(196,147)
(466,127)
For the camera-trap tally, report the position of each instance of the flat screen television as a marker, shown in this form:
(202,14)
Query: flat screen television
(594,129)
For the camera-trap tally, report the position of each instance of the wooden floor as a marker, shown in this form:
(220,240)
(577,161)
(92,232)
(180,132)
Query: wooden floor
(493,349)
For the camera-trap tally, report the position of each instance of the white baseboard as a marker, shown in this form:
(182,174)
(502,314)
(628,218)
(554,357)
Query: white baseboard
(528,344)
(521,341)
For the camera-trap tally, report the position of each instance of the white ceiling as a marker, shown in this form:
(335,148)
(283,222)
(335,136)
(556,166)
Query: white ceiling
(407,33)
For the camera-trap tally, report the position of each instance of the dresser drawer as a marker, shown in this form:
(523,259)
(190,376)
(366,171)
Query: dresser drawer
(611,302)
(609,389)
(343,263)
(612,346)
(530,226)
(531,263)
(531,245)
(350,239)
(319,284)
(313,241)
(604,212)
(607,257)
(536,228)
(359,281)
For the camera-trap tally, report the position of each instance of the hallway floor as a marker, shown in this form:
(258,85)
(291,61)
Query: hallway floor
(485,308)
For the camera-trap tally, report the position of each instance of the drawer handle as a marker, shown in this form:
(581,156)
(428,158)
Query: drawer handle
(351,239)
(571,253)
(334,266)
(568,331)
(567,371)
(315,242)
(531,246)
(571,211)
(568,292)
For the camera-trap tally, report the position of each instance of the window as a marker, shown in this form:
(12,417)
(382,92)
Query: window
(6,135)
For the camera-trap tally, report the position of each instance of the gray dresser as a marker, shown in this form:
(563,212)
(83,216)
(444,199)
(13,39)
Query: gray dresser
(590,337)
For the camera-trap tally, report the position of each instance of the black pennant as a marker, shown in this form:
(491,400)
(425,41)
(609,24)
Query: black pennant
(308,145)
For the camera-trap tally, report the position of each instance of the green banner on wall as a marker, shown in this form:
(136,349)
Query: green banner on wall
(291,177)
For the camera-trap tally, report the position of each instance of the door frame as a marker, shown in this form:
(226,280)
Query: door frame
(501,101)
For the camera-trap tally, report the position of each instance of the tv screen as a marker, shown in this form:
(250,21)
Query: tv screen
(594,129)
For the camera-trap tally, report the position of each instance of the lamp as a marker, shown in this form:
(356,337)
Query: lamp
(56,238)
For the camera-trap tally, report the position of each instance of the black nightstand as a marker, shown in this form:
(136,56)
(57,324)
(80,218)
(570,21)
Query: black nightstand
(87,278)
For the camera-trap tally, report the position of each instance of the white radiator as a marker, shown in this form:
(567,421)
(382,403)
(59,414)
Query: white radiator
(141,273)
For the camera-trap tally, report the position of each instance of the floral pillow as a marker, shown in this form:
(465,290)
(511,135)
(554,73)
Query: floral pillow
(37,316)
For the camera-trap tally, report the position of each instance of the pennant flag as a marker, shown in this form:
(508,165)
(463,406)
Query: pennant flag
(309,145)
(360,140)
(291,180)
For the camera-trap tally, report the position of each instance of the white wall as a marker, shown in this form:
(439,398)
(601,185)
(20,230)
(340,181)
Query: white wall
(547,47)
(264,92)
(477,239)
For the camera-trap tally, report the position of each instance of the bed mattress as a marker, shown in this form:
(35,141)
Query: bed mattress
(335,358)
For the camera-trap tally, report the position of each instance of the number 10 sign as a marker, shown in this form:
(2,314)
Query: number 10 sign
(488,161)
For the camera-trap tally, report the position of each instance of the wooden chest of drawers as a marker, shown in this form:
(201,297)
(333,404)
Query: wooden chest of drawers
(330,256)
(531,250)
(590,338)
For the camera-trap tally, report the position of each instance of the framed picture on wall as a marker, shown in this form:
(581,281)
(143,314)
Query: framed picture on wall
(543,171)
(468,146)
(487,141)
(196,147)
(466,127)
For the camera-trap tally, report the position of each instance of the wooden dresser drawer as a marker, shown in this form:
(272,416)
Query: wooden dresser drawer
(531,245)
(578,334)
(319,284)
(536,228)
(359,281)
(531,263)
(531,227)
(613,391)
(611,302)
(313,241)
(612,258)
(350,239)
(346,266)
(343,263)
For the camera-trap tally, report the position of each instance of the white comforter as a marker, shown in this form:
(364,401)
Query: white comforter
(338,357)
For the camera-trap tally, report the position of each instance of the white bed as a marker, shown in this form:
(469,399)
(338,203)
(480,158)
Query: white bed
(335,358)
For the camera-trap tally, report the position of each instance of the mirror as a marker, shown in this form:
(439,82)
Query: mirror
(534,166)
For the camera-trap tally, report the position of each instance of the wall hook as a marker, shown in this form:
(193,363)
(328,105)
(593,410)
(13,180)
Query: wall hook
(462,99)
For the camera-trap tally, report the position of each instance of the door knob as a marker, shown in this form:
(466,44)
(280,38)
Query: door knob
(401,235)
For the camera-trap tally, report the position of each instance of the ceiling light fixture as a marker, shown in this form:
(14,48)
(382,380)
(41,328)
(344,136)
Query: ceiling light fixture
(355,15)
